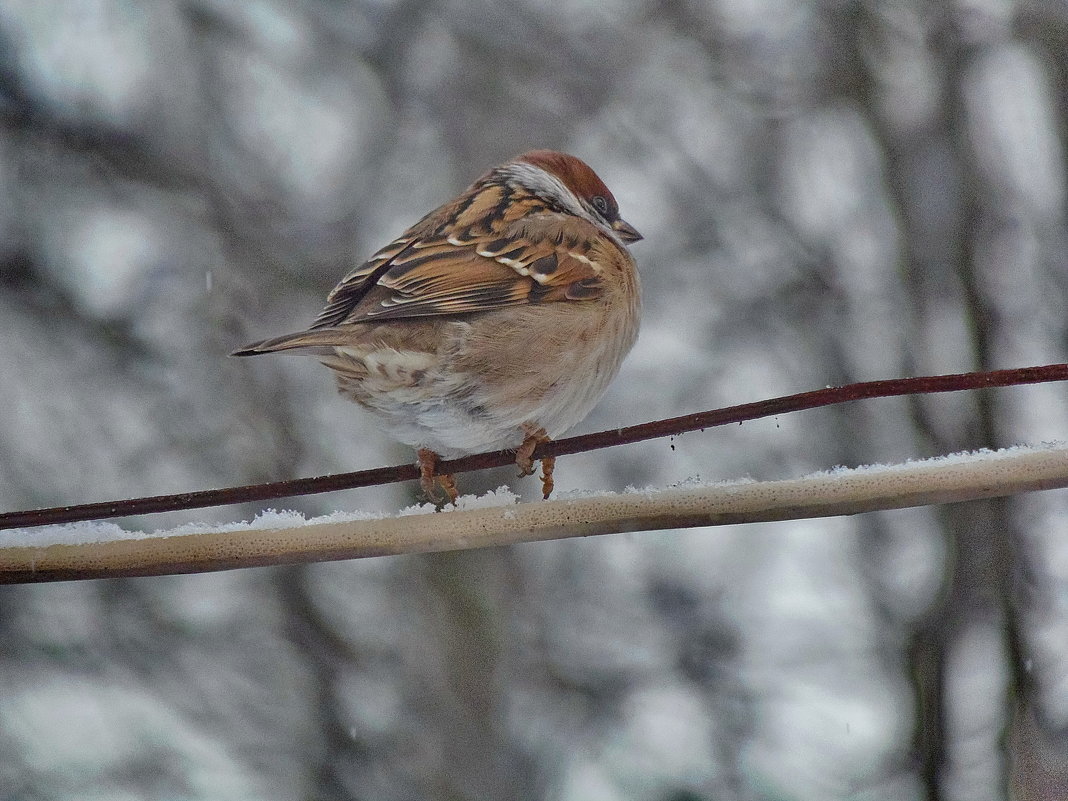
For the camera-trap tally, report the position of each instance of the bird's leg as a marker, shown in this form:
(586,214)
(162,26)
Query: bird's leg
(532,438)
(522,457)
(428,461)
(429,479)
(448,483)
(548,464)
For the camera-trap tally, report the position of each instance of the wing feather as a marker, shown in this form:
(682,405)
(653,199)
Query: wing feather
(353,287)
(544,258)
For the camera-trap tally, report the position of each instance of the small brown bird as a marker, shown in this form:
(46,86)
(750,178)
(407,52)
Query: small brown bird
(497,321)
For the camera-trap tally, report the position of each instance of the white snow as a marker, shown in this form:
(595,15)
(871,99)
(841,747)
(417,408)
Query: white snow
(98,531)
(949,459)
(502,496)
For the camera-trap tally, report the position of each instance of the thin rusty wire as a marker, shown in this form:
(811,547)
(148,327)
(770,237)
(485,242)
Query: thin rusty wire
(577,444)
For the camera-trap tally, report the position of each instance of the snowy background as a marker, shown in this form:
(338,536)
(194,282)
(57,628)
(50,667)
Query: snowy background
(830,191)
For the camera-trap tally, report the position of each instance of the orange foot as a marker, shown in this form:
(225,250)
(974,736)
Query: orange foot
(429,479)
(532,438)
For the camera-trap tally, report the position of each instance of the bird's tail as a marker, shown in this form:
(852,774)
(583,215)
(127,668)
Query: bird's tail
(319,341)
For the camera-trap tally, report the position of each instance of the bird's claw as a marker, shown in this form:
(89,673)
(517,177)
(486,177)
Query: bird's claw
(523,458)
(429,479)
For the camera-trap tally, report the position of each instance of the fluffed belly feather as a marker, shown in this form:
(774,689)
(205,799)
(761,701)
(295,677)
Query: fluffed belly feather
(483,383)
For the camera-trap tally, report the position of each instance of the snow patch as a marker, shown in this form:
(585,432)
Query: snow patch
(501,498)
(948,460)
(97,531)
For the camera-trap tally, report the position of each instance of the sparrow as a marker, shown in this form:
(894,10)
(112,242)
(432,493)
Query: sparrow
(495,322)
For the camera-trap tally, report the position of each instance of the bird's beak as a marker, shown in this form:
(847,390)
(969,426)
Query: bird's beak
(627,232)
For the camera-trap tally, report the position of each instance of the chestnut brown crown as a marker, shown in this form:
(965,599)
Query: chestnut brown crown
(597,203)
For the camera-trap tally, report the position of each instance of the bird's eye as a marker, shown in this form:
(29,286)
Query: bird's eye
(600,203)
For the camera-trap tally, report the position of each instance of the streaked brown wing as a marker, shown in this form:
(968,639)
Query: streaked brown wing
(539,262)
(351,289)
